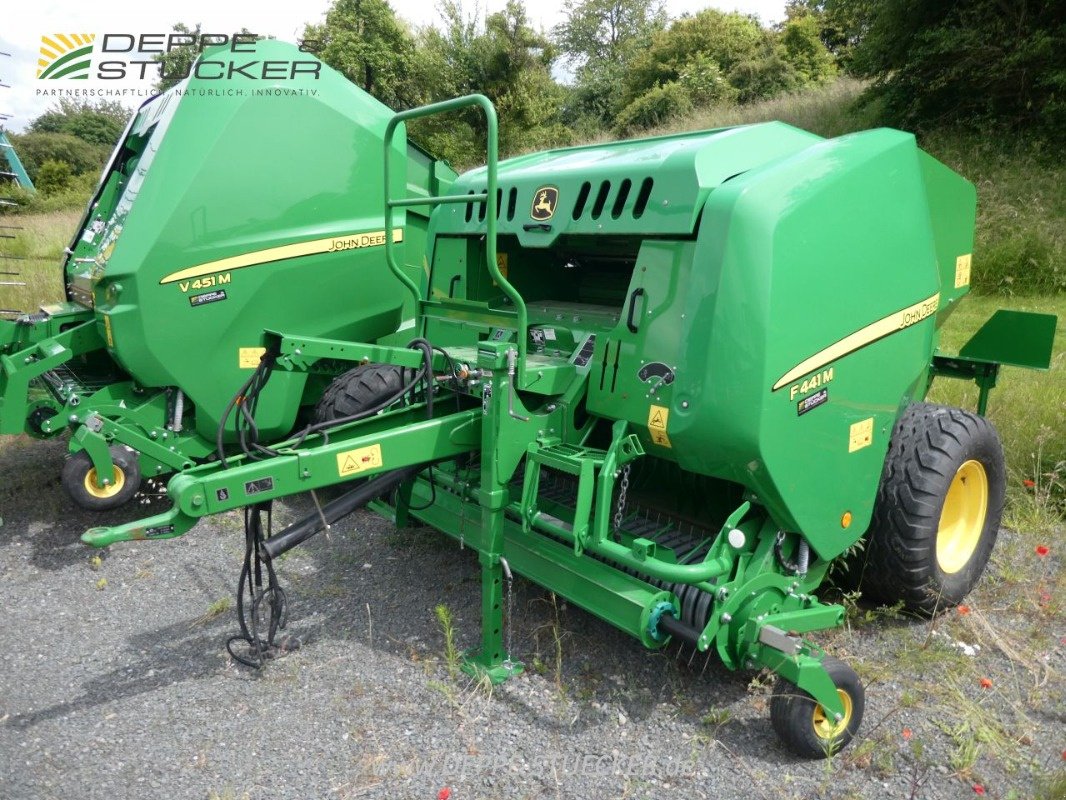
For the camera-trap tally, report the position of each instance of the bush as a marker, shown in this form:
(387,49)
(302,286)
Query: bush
(654,107)
(74,196)
(53,177)
(35,149)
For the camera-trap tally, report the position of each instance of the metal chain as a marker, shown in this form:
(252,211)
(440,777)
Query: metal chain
(623,488)
(509,629)
(462,515)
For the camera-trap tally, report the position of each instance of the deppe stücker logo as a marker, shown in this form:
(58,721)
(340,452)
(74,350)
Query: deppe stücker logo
(143,56)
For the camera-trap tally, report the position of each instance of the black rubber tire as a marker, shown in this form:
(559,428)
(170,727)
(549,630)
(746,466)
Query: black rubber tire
(357,390)
(792,713)
(76,474)
(899,563)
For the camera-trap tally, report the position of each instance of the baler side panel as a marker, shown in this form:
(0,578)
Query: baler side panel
(952,212)
(825,259)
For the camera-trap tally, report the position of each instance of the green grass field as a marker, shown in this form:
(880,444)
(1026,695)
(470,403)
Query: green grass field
(38,247)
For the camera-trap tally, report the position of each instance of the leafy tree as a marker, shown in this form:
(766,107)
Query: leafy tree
(762,78)
(600,38)
(100,123)
(943,62)
(840,24)
(366,42)
(727,39)
(804,51)
(176,64)
(504,59)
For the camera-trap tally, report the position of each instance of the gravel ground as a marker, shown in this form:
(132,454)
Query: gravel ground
(115,683)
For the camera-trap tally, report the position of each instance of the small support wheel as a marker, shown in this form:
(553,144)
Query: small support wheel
(805,727)
(80,482)
(357,390)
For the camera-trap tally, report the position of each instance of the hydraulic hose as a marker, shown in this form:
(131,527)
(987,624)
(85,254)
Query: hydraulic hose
(302,530)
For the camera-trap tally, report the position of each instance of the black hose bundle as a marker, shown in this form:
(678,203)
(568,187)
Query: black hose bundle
(272,598)
(247,399)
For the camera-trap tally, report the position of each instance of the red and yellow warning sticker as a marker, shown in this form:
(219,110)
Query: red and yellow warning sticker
(352,462)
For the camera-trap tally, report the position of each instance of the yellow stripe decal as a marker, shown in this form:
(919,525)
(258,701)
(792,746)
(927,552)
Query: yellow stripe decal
(334,244)
(885,326)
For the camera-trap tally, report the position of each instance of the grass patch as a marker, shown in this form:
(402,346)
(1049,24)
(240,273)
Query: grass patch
(827,110)
(452,657)
(37,250)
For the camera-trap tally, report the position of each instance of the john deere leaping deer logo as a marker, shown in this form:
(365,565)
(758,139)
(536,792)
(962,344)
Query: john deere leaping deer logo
(544,201)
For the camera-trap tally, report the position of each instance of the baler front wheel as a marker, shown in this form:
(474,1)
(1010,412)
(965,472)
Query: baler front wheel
(80,480)
(804,726)
(937,511)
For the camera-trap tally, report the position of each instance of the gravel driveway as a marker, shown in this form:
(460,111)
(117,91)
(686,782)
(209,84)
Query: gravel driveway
(115,682)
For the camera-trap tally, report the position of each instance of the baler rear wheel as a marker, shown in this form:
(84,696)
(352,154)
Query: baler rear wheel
(804,726)
(80,481)
(937,511)
(357,390)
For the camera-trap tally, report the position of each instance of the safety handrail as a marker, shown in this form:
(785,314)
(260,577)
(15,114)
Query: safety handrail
(490,198)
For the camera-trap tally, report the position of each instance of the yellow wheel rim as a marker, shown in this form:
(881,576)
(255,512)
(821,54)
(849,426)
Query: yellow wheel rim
(104,491)
(963,518)
(827,728)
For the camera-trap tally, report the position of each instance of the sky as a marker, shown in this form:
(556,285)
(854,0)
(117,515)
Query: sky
(24,96)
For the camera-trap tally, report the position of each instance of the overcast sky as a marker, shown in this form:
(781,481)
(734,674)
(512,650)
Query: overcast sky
(22,32)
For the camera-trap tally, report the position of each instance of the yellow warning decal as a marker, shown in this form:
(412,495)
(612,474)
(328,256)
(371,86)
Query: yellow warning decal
(107,332)
(862,435)
(248,357)
(361,459)
(962,270)
(658,417)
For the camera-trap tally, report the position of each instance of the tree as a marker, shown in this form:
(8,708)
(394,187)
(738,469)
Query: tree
(600,38)
(366,42)
(840,24)
(99,123)
(804,51)
(607,31)
(504,59)
(727,39)
(654,107)
(941,62)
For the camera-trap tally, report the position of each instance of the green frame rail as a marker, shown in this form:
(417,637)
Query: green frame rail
(489,196)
